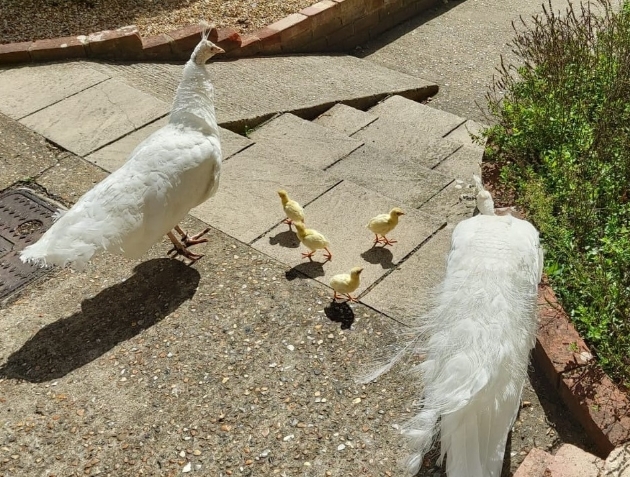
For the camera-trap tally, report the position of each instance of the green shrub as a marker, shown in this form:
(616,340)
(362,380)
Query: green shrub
(562,135)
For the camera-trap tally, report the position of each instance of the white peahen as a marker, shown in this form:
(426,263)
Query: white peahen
(173,170)
(475,343)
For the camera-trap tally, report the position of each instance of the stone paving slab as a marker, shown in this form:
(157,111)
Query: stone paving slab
(247,204)
(406,293)
(345,119)
(70,178)
(462,134)
(23,154)
(420,116)
(305,142)
(252,88)
(28,89)
(392,175)
(405,139)
(96,116)
(341,214)
(462,164)
(114,155)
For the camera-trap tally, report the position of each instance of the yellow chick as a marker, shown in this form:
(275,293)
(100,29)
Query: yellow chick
(313,240)
(346,283)
(292,209)
(383,224)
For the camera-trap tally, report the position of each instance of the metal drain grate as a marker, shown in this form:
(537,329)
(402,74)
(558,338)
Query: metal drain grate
(24,218)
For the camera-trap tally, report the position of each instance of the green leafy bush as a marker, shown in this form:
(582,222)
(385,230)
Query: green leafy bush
(562,136)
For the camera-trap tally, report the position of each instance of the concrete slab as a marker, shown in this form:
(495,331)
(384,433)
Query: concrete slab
(462,164)
(28,89)
(23,154)
(403,139)
(341,214)
(247,204)
(345,119)
(305,142)
(453,203)
(96,116)
(251,88)
(70,178)
(392,175)
(422,117)
(406,293)
(114,155)
(462,134)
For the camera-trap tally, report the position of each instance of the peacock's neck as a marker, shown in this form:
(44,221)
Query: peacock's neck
(194,100)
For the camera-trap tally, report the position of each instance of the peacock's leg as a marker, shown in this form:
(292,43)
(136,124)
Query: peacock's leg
(195,239)
(180,248)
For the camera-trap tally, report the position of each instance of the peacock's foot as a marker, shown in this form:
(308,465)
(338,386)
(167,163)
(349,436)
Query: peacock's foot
(181,248)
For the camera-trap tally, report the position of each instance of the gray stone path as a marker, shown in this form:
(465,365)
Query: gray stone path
(345,166)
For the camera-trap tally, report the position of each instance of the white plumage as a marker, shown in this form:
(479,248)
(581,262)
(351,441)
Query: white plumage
(170,172)
(475,343)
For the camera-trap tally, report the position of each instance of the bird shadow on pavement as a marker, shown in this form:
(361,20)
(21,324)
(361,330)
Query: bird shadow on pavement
(379,256)
(118,313)
(310,269)
(340,312)
(286,239)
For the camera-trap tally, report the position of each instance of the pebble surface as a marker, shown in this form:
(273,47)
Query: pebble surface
(27,20)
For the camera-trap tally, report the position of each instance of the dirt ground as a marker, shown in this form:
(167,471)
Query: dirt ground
(234,366)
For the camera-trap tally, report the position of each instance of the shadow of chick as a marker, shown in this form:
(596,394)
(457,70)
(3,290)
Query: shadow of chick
(116,314)
(379,256)
(340,312)
(310,269)
(286,239)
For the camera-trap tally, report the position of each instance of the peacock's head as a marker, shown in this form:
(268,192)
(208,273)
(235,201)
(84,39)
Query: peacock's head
(205,49)
(485,204)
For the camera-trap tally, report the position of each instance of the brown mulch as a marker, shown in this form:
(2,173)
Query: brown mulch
(28,20)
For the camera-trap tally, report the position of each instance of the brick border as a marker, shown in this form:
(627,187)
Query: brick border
(326,26)
(601,407)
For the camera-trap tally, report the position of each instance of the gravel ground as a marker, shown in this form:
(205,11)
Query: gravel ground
(26,20)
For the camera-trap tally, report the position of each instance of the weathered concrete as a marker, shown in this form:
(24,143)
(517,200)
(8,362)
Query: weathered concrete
(304,142)
(419,116)
(406,293)
(345,119)
(23,154)
(464,132)
(27,89)
(402,139)
(464,65)
(114,155)
(341,214)
(70,178)
(247,203)
(393,175)
(96,116)
(254,88)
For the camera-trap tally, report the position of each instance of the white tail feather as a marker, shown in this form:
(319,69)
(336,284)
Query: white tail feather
(475,343)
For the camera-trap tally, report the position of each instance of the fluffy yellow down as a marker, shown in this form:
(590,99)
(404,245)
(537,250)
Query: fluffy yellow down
(346,283)
(292,209)
(383,224)
(312,239)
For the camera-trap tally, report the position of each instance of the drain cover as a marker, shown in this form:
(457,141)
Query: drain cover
(24,218)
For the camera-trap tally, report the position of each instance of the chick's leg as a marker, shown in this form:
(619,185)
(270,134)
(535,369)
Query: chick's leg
(195,239)
(308,255)
(352,298)
(376,239)
(288,221)
(328,255)
(179,248)
(387,241)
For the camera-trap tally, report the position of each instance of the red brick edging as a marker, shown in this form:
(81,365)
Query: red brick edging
(329,25)
(600,406)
